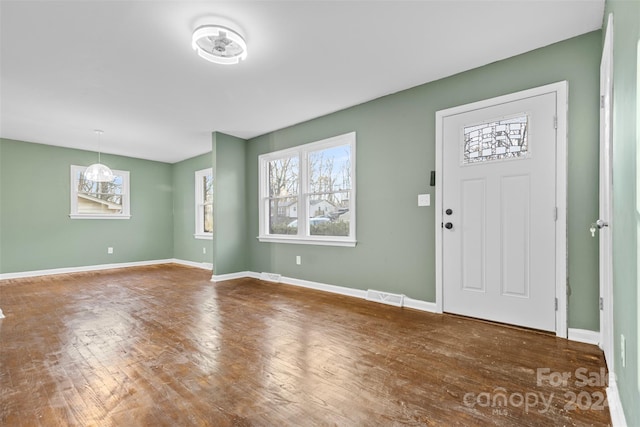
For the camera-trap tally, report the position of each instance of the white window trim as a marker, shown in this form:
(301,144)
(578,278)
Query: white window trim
(302,151)
(126,212)
(199,215)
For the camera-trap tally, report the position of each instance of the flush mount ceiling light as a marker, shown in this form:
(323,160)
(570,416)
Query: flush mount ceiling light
(98,172)
(219,44)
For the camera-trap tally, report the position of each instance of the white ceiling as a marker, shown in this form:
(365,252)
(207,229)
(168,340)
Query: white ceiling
(127,67)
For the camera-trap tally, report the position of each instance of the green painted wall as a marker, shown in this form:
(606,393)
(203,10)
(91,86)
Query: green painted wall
(185,246)
(229,204)
(395,153)
(36,231)
(626,214)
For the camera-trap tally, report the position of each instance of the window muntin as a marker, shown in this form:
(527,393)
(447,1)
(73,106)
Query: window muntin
(505,138)
(307,193)
(99,200)
(204,204)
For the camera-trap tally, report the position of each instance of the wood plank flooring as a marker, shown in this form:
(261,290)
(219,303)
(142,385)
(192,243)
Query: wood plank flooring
(164,346)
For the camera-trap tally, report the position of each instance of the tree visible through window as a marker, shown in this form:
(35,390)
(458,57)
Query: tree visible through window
(307,193)
(330,190)
(204,203)
(90,199)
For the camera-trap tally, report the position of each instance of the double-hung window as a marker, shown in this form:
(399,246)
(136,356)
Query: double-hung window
(204,204)
(307,193)
(99,200)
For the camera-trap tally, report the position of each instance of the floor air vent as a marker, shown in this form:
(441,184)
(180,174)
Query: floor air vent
(385,297)
(270,277)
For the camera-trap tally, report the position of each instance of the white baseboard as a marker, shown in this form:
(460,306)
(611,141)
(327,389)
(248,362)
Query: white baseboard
(66,270)
(417,304)
(615,405)
(340,290)
(202,265)
(584,335)
(334,289)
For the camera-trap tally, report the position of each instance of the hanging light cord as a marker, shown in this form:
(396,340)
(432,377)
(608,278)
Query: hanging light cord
(99,133)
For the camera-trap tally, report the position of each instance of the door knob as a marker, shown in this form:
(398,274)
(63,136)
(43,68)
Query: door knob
(448,226)
(598,225)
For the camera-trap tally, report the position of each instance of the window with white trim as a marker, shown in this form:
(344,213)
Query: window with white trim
(204,204)
(99,200)
(307,193)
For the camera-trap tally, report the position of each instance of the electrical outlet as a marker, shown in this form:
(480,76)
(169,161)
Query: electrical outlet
(623,350)
(298,260)
(110,250)
(204,250)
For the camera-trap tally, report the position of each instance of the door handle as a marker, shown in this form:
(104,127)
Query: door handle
(448,226)
(598,225)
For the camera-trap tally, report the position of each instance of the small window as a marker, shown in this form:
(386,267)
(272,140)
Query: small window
(99,200)
(204,204)
(307,193)
(496,140)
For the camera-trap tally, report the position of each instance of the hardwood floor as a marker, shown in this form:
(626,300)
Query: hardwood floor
(164,346)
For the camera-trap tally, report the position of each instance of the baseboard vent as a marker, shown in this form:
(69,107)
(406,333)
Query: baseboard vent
(385,298)
(270,277)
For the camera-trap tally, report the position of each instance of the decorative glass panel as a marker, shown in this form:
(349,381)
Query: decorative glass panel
(499,139)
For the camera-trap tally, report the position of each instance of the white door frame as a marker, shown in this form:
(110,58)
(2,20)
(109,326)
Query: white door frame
(606,190)
(561,91)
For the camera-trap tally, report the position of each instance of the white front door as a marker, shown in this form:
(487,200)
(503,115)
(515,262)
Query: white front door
(499,212)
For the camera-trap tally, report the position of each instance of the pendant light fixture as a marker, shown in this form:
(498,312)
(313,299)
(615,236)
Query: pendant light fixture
(98,172)
(219,44)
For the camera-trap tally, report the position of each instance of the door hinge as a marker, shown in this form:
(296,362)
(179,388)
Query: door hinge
(601,101)
(555,122)
(601,303)
(555,214)
(556,304)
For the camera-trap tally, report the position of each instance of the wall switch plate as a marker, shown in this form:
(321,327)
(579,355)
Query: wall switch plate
(109,250)
(298,260)
(424,199)
(623,350)
(204,250)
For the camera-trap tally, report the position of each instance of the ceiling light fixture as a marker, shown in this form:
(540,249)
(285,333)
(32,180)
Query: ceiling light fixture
(98,172)
(219,44)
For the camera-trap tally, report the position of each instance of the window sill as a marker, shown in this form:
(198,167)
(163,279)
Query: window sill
(87,216)
(307,241)
(203,236)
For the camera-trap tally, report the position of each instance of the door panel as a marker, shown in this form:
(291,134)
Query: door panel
(515,234)
(499,181)
(473,274)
